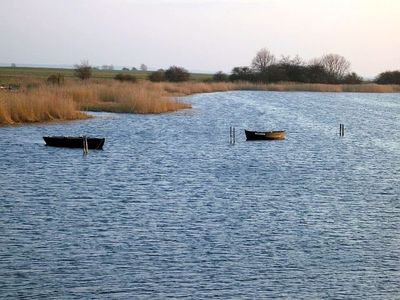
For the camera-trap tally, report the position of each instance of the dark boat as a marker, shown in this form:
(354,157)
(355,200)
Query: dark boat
(74,142)
(265,135)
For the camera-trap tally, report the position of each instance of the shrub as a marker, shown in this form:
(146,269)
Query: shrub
(157,76)
(220,77)
(177,74)
(56,79)
(83,71)
(242,74)
(352,78)
(125,77)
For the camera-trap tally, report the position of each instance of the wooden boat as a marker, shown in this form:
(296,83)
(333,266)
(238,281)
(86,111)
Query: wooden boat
(74,142)
(265,135)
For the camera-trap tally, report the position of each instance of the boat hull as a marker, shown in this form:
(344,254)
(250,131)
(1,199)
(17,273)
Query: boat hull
(74,142)
(265,135)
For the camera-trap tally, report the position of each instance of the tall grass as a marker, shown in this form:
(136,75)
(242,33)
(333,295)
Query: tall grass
(47,102)
(141,98)
(317,87)
(39,105)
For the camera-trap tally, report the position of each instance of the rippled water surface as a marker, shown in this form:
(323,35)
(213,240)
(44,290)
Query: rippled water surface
(170,209)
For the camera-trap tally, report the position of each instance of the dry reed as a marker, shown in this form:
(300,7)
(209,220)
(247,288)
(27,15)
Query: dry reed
(39,105)
(47,103)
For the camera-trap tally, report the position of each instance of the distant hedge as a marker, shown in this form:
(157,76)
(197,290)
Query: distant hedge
(125,77)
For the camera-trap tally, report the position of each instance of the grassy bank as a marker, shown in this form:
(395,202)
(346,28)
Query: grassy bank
(33,76)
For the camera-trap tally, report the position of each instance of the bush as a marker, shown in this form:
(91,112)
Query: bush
(157,76)
(125,77)
(56,79)
(83,71)
(220,77)
(242,73)
(177,74)
(389,77)
(352,78)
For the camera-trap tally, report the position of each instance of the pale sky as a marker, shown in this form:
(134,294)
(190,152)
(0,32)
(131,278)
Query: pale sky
(205,35)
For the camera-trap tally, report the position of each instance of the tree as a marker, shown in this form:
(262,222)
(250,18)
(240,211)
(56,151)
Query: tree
(220,76)
(336,65)
(316,73)
(352,78)
(176,74)
(143,67)
(289,69)
(157,76)
(262,60)
(83,71)
(242,73)
(388,77)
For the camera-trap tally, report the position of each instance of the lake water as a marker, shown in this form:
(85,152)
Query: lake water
(170,209)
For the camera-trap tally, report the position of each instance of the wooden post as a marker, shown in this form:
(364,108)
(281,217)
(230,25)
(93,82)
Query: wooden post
(85,145)
(232,133)
(341,129)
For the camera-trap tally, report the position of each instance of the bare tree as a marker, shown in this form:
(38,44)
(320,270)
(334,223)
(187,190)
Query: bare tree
(83,71)
(262,60)
(287,60)
(336,65)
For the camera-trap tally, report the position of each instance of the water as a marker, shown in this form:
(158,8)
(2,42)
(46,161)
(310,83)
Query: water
(170,210)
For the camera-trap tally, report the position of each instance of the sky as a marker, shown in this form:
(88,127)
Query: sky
(199,35)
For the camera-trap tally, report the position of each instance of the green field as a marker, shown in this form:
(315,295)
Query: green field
(24,75)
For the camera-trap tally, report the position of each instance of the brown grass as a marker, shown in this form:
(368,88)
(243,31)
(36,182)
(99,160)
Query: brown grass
(54,103)
(141,98)
(316,87)
(39,105)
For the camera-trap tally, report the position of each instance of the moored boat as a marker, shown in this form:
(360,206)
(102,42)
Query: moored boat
(74,142)
(265,135)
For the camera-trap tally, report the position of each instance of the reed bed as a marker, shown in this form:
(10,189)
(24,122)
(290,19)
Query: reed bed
(39,105)
(141,98)
(56,103)
(316,87)
(189,88)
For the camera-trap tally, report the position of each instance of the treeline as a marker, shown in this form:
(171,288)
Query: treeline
(330,68)
(389,77)
(265,68)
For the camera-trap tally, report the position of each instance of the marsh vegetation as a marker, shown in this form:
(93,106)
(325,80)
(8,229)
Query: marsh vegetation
(41,95)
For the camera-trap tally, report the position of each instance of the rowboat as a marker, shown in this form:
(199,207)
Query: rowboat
(74,142)
(265,135)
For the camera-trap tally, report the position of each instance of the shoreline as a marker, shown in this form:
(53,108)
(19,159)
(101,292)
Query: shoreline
(69,102)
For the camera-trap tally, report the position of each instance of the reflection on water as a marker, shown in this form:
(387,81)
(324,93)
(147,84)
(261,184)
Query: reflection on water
(171,209)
